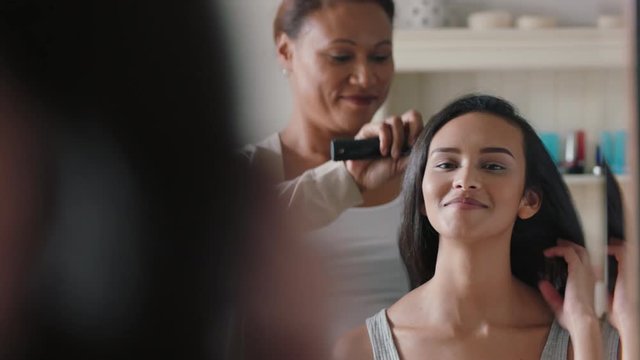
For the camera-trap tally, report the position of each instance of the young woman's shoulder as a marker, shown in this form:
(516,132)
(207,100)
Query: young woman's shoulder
(354,345)
(403,311)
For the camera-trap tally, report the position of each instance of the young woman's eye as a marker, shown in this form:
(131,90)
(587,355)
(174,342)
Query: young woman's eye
(494,167)
(446,165)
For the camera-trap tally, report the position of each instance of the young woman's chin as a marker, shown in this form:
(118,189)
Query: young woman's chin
(467,230)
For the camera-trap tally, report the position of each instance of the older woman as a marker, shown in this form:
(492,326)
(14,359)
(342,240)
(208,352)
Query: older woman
(337,56)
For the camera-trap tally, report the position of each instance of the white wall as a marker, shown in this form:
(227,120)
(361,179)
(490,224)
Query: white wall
(264,101)
(262,94)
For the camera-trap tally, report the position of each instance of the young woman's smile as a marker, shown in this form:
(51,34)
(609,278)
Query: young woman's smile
(465,203)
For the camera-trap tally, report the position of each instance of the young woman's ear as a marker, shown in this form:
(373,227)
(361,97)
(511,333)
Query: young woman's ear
(529,204)
(284,48)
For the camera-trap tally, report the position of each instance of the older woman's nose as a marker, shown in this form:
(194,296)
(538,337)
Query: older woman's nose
(363,74)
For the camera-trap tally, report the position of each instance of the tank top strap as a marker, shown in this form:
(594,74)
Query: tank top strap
(381,338)
(557,343)
(611,341)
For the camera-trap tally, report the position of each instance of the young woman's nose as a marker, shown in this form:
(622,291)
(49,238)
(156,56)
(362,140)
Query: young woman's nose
(466,179)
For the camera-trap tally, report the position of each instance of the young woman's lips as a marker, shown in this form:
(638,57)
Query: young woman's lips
(360,100)
(465,203)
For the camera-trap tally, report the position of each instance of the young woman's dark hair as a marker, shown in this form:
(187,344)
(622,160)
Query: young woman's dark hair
(615,222)
(556,219)
(292,13)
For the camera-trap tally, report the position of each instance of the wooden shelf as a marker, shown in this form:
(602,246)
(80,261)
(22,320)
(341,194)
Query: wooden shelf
(456,49)
(588,179)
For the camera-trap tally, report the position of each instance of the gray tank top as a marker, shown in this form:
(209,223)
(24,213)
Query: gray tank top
(554,349)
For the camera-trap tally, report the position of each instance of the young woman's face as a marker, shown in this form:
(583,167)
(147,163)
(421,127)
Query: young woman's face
(341,65)
(474,178)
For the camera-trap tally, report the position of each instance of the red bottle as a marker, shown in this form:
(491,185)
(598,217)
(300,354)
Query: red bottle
(575,152)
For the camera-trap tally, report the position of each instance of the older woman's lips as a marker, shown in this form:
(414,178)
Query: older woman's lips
(360,100)
(466,203)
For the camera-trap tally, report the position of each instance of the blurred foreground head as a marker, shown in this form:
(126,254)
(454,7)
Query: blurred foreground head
(115,232)
(128,228)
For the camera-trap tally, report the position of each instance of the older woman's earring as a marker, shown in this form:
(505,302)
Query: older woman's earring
(285,72)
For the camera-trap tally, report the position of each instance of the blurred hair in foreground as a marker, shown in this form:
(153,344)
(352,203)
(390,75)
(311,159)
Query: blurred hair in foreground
(125,216)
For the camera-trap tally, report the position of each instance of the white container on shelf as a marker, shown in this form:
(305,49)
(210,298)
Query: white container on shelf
(528,22)
(609,22)
(419,14)
(491,19)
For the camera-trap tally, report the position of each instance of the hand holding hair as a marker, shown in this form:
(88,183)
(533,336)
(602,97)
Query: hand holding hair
(576,311)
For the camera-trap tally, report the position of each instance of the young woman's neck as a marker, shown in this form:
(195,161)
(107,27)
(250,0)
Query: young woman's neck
(473,283)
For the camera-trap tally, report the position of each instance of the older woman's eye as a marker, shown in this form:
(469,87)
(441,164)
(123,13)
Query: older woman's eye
(340,58)
(380,58)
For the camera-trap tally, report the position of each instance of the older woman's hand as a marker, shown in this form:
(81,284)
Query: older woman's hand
(393,133)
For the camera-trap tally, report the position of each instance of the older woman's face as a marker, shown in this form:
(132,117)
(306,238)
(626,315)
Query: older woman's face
(474,178)
(341,65)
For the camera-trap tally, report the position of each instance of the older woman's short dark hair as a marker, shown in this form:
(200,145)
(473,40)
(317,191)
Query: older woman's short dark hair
(292,13)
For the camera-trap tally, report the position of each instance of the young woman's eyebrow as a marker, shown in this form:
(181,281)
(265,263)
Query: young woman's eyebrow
(496,150)
(486,150)
(446,150)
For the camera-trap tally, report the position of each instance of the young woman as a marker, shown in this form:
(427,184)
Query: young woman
(337,56)
(493,248)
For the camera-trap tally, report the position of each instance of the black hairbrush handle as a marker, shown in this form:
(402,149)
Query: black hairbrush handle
(350,149)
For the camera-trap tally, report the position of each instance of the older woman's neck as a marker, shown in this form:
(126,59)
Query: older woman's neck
(307,139)
(302,149)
